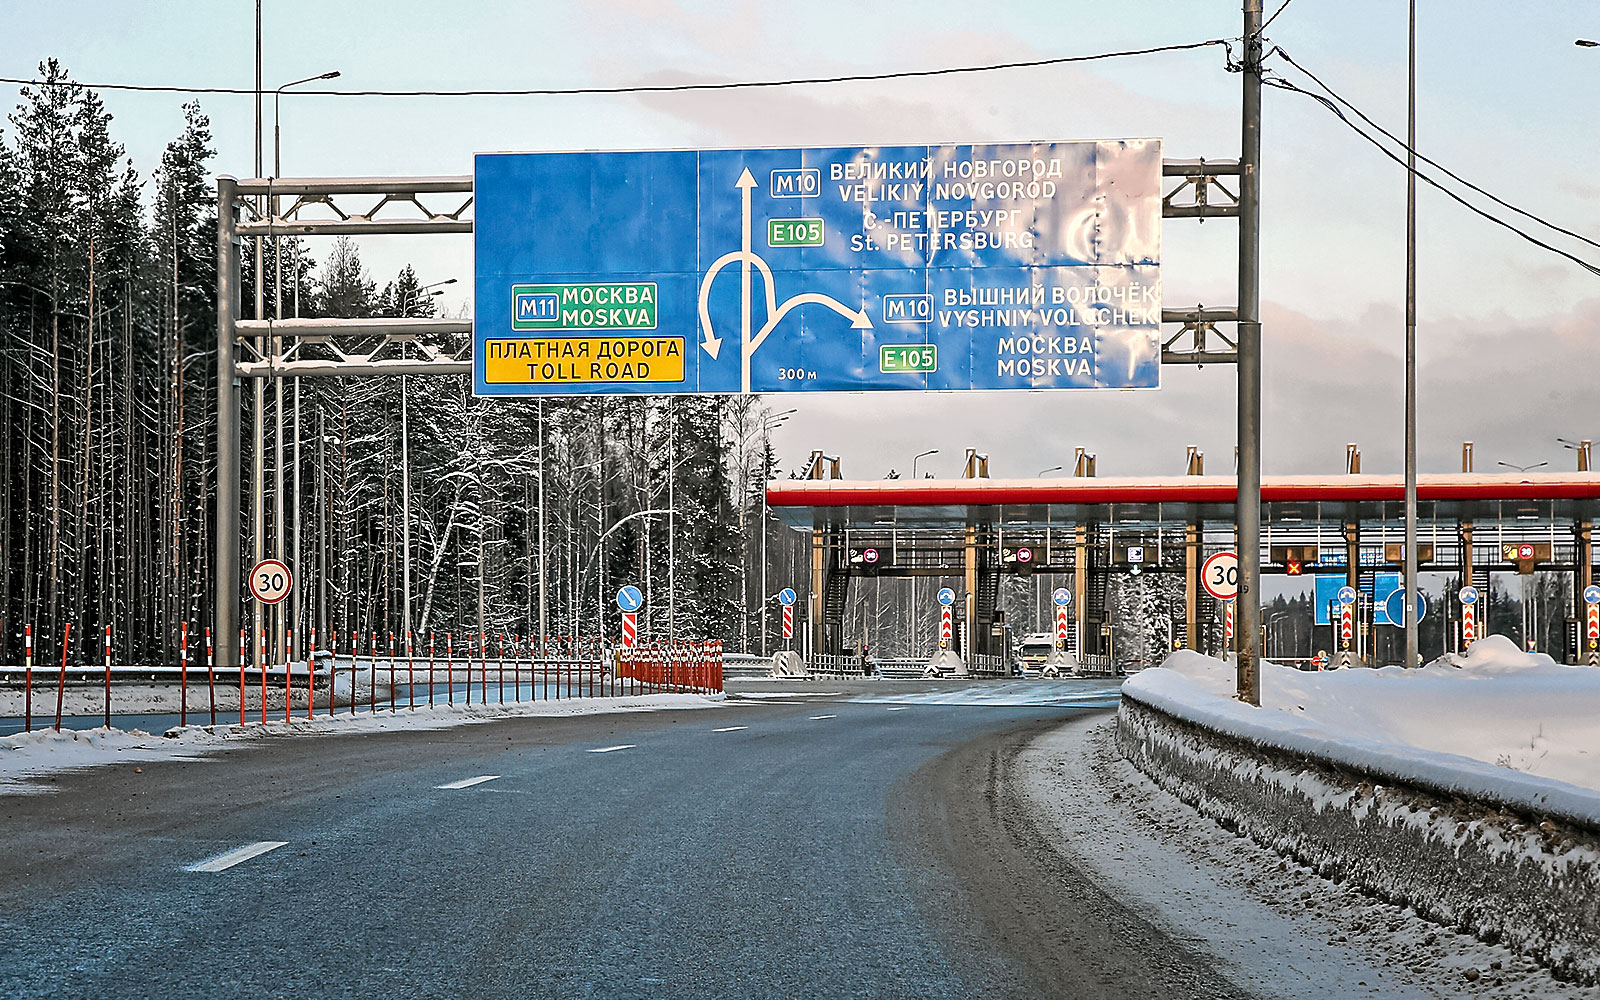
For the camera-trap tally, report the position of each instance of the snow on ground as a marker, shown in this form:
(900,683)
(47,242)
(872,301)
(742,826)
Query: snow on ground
(1276,927)
(1496,723)
(1054,693)
(46,751)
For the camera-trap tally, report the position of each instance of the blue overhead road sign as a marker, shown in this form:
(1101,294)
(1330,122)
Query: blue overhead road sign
(1015,266)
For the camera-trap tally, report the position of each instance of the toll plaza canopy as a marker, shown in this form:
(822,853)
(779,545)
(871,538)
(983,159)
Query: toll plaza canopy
(979,528)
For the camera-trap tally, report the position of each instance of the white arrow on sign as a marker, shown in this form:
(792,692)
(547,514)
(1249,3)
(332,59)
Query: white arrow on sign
(747,258)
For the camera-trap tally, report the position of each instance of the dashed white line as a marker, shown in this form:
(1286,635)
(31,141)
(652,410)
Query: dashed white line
(729,729)
(238,855)
(469,782)
(816,718)
(620,746)
(898,708)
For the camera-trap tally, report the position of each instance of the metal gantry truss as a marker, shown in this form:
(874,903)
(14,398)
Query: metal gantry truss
(271,348)
(1200,194)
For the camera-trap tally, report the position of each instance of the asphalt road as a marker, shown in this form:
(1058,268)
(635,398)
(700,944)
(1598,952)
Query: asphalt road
(822,849)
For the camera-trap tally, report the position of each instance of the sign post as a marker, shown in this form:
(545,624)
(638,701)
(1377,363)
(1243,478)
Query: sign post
(630,599)
(943,267)
(1468,596)
(1347,604)
(947,597)
(786,597)
(1591,629)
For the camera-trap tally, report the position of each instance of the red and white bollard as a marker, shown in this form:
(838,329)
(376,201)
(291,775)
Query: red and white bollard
(108,676)
(243,645)
(311,676)
(211,674)
(27,679)
(288,672)
(183,674)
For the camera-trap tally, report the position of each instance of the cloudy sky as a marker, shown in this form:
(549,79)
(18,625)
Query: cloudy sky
(1509,335)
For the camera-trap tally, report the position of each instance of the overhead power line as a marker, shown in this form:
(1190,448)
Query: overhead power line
(1275,14)
(1434,163)
(658,88)
(1333,107)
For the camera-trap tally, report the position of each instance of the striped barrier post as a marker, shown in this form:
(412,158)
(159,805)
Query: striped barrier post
(288,672)
(372,674)
(430,669)
(183,674)
(27,679)
(263,660)
(393,708)
(211,675)
(108,676)
(450,670)
(411,671)
(241,675)
(311,675)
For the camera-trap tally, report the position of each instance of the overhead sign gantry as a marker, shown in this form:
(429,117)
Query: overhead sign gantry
(945,267)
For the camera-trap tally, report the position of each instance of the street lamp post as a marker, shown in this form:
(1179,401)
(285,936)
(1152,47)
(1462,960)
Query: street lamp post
(277,354)
(772,420)
(1522,468)
(405,469)
(919,457)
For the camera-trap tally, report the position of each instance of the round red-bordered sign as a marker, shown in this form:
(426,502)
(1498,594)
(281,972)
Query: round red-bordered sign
(1220,575)
(270,581)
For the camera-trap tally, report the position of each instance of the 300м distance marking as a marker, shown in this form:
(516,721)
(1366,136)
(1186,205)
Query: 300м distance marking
(547,360)
(584,305)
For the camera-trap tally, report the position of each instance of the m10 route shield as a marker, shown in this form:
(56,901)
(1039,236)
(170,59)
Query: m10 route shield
(1018,266)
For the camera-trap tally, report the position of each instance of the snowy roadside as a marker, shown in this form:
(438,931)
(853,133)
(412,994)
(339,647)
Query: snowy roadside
(1274,925)
(47,751)
(1497,724)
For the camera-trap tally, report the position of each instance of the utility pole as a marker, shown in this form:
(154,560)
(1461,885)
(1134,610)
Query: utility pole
(1411,341)
(225,579)
(258,479)
(1248,504)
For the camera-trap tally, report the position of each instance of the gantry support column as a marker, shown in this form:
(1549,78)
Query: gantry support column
(225,570)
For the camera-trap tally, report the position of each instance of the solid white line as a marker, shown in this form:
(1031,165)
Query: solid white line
(223,862)
(899,708)
(814,718)
(620,746)
(469,782)
(729,729)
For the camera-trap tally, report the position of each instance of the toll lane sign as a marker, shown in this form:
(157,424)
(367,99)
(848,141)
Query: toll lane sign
(1009,266)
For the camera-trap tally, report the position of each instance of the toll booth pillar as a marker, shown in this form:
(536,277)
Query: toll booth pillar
(819,582)
(1080,585)
(1352,554)
(969,579)
(1191,586)
(1583,578)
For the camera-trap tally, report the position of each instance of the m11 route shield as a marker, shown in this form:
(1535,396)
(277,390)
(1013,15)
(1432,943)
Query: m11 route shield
(1017,266)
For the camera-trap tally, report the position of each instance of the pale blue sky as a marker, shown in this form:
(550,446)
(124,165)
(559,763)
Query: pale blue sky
(1504,98)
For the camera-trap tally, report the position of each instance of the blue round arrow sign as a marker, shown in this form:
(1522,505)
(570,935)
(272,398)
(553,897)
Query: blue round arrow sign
(1062,596)
(629,598)
(1347,595)
(1591,594)
(947,597)
(786,597)
(1395,607)
(1469,594)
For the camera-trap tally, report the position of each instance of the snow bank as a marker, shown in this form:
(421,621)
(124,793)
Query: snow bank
(1503,725)
(1467,790)
(47,751)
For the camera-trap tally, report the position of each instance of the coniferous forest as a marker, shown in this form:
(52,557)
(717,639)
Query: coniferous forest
(107,386)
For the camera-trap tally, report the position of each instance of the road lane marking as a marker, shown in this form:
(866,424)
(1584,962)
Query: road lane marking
(620,746)
(729,729)
(898,708)
(815,718)
(469,782)
(238,855)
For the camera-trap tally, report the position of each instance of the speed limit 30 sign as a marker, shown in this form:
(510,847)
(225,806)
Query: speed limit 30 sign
(1220,575)
(270,581)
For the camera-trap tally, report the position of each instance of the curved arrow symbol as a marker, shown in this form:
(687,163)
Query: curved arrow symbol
(748,260)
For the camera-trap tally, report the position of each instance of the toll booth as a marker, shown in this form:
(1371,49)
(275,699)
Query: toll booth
(1087,530)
